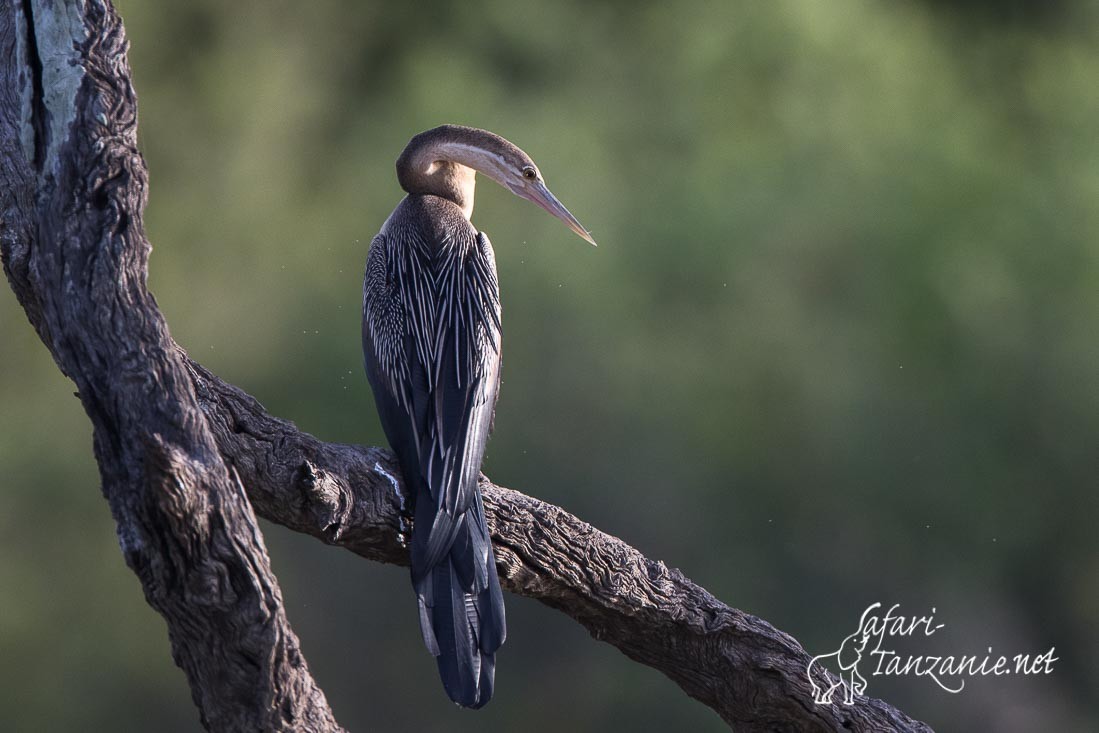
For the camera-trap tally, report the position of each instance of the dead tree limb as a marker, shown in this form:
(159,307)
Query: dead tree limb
(74,249)
(750,673)
(177,447)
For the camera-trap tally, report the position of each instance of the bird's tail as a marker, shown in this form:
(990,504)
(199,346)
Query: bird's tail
(462,612)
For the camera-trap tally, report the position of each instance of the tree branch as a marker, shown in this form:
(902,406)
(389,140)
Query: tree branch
(751,674)
(177,447)
(74,249)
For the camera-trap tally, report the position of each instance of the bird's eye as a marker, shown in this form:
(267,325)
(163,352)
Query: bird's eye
(529,173)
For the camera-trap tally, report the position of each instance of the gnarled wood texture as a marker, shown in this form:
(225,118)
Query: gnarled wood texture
(178,448)
(750,673)
(74,249)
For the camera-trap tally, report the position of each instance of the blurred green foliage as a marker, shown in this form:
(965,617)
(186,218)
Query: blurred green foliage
(838,343)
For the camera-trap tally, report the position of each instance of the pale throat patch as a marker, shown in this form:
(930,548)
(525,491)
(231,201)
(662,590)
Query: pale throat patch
(478,159)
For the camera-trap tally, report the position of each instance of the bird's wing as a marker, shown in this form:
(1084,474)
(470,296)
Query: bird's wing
(392,374)
(464,379)
(436,348)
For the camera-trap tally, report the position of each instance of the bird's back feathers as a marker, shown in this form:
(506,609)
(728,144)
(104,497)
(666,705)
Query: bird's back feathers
(431,341)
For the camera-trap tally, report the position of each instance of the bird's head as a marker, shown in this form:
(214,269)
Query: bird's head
(428,155)
(523,179)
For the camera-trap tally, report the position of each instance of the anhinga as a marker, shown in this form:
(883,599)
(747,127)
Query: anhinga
(431,340)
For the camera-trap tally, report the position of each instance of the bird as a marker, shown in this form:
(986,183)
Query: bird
(431,346)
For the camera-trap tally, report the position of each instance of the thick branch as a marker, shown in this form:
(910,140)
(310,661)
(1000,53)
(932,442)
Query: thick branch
(750,673)
(72,193)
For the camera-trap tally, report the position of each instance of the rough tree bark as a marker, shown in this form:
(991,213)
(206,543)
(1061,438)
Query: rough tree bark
(74,249)
(178,448)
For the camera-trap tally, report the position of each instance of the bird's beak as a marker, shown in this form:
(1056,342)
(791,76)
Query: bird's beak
(539,194)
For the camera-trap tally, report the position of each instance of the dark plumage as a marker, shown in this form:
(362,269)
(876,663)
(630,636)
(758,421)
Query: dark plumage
(431,342)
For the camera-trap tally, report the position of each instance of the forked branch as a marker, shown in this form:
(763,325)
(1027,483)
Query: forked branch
(178,448)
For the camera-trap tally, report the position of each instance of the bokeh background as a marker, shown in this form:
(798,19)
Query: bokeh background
(838,343)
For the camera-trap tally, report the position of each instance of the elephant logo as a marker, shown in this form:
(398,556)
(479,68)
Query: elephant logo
(847,658)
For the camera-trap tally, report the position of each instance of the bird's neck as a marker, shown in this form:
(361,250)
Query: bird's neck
(447,169)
